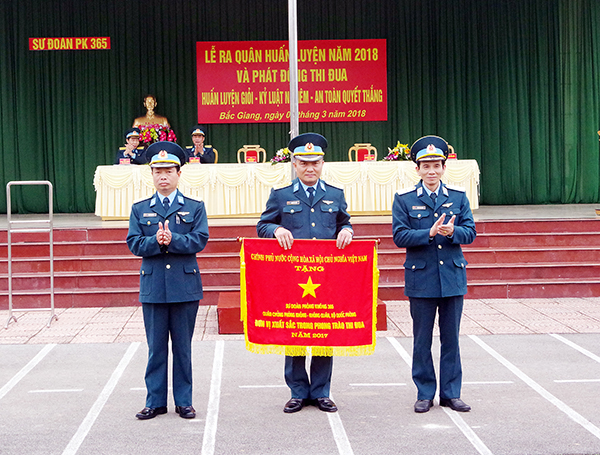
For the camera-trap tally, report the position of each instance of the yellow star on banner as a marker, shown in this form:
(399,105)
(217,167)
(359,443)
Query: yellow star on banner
(309,288)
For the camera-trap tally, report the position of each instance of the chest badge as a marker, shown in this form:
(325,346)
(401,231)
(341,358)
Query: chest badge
(296,202)
(448,204)
(150,215)
(327,202)
(419,207)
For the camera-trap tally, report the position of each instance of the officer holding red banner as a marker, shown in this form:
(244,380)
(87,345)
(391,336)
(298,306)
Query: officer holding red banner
(307,209)
(432,220)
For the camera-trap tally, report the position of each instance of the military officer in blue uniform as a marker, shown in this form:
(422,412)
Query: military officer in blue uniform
(204,152)
(307,209)
(432,221)
(167,230)
(131,150)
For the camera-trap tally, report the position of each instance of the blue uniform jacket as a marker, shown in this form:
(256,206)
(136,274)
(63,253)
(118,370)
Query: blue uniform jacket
(207,158)
(168,274)
(433,268)
(140,156)
(289,207)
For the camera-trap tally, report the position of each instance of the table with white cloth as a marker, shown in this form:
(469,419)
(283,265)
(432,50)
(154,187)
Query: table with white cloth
(238,190)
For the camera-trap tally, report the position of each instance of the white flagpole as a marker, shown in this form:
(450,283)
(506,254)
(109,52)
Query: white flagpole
(293,48)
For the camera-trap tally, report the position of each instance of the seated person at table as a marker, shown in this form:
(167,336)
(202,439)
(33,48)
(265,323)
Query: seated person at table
(199,150)
(151,118)
(136,154)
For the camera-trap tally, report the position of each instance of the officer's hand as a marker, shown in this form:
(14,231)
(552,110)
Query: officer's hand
(284,237)
(344,238)
(448,229)
(160,234)
(435,229)
(167,234)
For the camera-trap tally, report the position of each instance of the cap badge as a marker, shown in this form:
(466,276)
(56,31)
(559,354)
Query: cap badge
(309,147)
(430,148)
(162,154)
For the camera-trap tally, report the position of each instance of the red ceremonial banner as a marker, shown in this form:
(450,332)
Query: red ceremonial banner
(248,81)
(312,296)
(85,43)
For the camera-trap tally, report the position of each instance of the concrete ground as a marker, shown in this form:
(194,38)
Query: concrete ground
(531,374)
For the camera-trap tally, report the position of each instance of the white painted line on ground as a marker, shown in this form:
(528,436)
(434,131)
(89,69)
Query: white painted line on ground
(571,413)
(487,382)
(266,386)
(339,433)
(383,384)
(26,369)
(591,355)
(212,412)
(55,390)
(454,416)
(576,380)
(96,408)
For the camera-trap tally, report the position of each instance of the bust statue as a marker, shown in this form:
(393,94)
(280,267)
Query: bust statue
(151,118)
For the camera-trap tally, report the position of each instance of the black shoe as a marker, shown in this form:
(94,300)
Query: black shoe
(187,412)
(150,413)
(294,405)
(423,405)
(325,404)
(455,404)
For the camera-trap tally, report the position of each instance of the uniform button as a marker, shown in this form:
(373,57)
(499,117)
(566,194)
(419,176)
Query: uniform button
(314,238)
(440,247)
(143,273)
(462,265)
(168,266)
(312,224)
(436,215)
(419,215)
(441,262)
(451,212)
(330,210)
(413,267)
(312,210)
(148,223)
(292,211)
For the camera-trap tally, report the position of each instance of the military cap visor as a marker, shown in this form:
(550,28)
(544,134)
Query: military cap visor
(197,130)
(165,154)
(133,132)
(429,148)
(308,147)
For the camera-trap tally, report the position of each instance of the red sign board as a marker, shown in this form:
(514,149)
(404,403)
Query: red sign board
(248,81)
(85,43)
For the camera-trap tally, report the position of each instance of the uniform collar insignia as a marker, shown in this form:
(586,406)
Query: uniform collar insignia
(444,190)
(296,186)
(180,199)
(152,202)
(419,191)
(322,184)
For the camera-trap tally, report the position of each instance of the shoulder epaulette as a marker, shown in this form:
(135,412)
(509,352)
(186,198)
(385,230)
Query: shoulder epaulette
(122,148)
(456,188)
(140,148)
(405,190)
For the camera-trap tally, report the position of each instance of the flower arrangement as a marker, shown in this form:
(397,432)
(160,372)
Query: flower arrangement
(399,153)
(149,134)
(282,156)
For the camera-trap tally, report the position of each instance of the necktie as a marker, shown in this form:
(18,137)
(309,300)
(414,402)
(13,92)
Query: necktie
(166,204)
(311,195)
(433,197)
